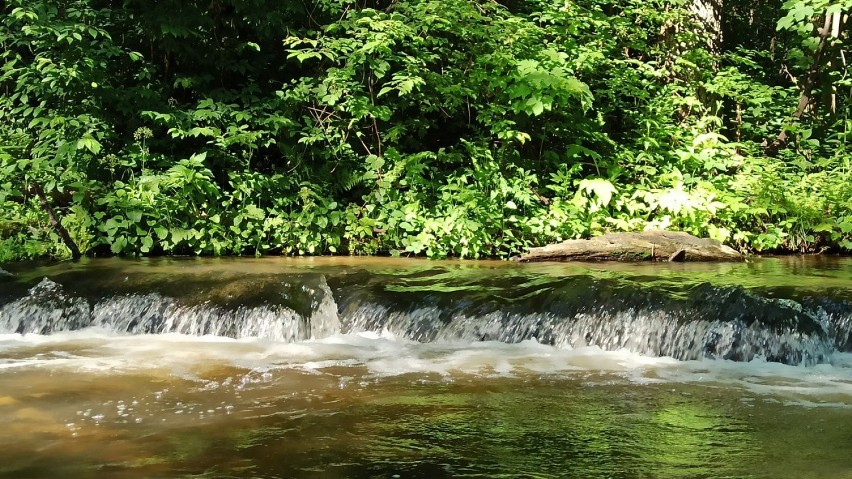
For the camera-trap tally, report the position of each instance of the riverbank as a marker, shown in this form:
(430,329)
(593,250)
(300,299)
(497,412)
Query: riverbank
(13,263)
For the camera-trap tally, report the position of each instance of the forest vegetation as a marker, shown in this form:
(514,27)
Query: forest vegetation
(420,127)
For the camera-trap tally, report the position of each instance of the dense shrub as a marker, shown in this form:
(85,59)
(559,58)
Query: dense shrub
(444,128)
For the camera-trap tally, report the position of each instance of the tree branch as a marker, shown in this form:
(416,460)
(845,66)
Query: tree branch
(54,221)
(831,23)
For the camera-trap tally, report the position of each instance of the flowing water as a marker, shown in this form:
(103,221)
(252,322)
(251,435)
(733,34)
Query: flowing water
(380,368)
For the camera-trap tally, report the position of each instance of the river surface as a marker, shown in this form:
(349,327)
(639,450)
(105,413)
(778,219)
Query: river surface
(383,368)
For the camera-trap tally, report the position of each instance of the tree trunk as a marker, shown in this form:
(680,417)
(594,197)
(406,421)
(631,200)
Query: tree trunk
(709,15)
(54,221)
(832,25)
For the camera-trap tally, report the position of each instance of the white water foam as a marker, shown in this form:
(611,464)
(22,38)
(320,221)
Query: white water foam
(94,351)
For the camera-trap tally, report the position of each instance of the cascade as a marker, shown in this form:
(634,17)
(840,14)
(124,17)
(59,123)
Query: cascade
(689,322)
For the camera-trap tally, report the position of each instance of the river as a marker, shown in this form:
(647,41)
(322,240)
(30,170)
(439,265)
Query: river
(390,368)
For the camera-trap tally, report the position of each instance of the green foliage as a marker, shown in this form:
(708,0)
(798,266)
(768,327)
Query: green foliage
(442,128)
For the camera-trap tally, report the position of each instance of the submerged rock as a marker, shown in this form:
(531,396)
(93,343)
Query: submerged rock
(643,246)
(5,274)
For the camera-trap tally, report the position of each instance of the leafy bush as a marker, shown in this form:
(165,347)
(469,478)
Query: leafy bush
(442,128)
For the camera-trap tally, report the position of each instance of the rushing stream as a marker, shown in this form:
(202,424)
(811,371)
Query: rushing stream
(380,368)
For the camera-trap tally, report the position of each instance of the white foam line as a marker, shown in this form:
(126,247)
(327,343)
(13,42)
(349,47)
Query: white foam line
(384,355)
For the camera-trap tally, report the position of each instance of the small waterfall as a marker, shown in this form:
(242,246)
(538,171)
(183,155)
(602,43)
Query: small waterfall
(655,333)
(325,320)
(49,309)
(684,322)
(44,310)
(154,314)
(837,318)
(704,322)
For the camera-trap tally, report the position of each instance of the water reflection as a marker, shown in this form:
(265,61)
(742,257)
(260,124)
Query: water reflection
(95,403)
(345,422)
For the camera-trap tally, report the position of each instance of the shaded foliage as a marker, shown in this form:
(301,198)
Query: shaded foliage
(419,127)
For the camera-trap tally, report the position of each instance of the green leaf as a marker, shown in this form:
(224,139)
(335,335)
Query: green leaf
(601,188)
(254,212)
(90,144)
(147,244)
(179,235)
(135,216)
(118,245)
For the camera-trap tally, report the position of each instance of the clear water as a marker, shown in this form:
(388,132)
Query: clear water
(382,368)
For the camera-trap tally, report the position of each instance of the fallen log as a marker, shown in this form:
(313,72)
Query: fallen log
(642,246)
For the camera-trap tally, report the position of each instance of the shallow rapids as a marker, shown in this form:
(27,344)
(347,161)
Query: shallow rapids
(700,315)
(384,369)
